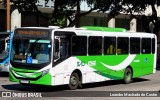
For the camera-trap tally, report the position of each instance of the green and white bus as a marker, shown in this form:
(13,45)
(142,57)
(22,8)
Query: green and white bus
(75,56)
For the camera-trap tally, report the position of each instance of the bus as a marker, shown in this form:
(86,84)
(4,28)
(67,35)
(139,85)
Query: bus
(75,56)
(5,48)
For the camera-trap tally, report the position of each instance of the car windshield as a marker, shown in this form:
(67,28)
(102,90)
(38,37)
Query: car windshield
(31,51)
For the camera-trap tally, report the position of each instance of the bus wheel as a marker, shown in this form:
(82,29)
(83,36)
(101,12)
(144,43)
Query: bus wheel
(128,75)
(74,81)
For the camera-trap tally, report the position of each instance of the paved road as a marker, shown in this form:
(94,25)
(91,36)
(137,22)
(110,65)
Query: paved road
(145,83)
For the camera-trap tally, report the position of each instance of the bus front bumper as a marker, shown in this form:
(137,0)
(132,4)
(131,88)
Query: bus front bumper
(39,80)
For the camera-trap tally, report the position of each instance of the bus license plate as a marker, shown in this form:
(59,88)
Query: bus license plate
(24,81)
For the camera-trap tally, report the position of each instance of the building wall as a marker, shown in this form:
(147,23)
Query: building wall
(103,21)
(96,19)
(34,20)
(93,21)
(122,23)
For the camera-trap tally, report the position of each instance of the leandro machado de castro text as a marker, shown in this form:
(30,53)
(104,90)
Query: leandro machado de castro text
(134,94)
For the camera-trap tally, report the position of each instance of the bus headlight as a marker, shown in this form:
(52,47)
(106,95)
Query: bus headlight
(45,72)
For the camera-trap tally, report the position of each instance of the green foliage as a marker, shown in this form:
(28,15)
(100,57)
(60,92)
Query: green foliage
(23,5)
(61,21)
(70,10)
(63,9)
(134,6)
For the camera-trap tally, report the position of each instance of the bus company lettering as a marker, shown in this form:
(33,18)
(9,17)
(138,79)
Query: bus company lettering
(80,63)
(90,63)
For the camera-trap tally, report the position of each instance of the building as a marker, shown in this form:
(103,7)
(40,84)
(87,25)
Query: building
(100,19)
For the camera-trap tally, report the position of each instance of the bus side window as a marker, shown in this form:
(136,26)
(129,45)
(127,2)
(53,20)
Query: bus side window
(119,51)
(95,45)
(146,46)
(109,45)
(111,49)
(64,49)
(122,45)
(153,45)
(134,45)
(79,45)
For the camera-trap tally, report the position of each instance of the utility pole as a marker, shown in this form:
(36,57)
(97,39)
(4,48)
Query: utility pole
(8,16)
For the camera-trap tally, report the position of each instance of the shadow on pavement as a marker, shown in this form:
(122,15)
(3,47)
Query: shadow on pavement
(4,74)
(34,88)
(40,88)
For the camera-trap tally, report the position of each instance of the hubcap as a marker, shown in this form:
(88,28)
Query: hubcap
(128,76)
(73,80)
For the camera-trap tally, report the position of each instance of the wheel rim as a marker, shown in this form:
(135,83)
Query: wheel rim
(73,80)
(128,76)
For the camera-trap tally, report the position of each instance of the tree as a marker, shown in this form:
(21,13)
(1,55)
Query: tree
(70,9)
(26,7)
(139,7)
(63,9)
(23,5)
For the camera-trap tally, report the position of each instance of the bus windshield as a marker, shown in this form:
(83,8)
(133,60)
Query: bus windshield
(31,51)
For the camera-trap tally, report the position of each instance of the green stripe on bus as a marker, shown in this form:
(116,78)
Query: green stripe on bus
(138,64)
(106,29)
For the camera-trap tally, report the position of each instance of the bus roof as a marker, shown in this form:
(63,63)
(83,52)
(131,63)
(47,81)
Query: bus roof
(83,32)
(103,32)
(107,29)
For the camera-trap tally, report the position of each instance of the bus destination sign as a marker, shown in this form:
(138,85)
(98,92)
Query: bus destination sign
(31,33)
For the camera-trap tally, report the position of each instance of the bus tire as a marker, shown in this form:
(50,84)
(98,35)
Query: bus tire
(80,83)
(73,81)
(128,74)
